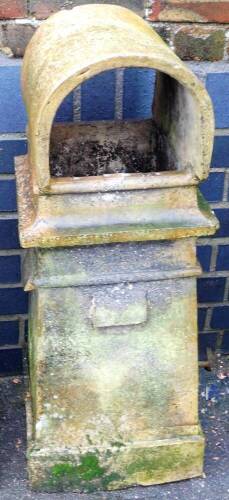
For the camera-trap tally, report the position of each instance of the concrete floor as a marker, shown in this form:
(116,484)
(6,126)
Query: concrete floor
(214,413)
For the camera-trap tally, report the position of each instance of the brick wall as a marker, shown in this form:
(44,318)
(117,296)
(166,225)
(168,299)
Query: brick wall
(198,31)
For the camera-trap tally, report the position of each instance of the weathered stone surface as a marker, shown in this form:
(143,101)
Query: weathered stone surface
(41,9)
(126,213)
(13,9)
(193,11)
(120,467)
(117,263)
(200,43)
(114,387)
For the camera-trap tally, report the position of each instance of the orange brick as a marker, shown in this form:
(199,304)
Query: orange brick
(13,9)
(41,9)
(198,11)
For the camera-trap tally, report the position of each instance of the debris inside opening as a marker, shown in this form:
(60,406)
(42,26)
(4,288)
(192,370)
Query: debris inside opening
(99,148)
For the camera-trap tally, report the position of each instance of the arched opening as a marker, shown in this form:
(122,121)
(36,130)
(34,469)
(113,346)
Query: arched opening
(110,125)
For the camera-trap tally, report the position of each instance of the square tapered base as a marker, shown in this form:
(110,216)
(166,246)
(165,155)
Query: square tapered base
(113,366)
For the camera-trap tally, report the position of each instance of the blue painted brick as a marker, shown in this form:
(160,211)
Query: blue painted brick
(201,318)
(8,201)
(138,93)
(9,332)
(9,234)
(222,263)
(220,156)
(210,289)
(13,301)
(204,256)
(11,99)
(11,362)
(10,269)
(8,150)
(206,340)
(218,87)
(12,110)
(98,97)
(225,342)
(212,188)
(220,317)
(65,110)
(223,215)
(26,331)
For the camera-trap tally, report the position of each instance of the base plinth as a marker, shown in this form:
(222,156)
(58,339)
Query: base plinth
(117,467)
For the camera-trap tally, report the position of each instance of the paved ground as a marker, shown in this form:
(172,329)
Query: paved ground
(214,412)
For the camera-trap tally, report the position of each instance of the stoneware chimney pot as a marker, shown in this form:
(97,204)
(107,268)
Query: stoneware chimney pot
(111,261)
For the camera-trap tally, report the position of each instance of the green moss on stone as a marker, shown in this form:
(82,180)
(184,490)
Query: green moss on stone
(202,203)
(110,478)
(162,462)
(87,470)
(87,476)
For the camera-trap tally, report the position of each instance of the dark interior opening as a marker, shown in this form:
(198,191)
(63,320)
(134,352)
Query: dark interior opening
(111,146)
(98,148)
